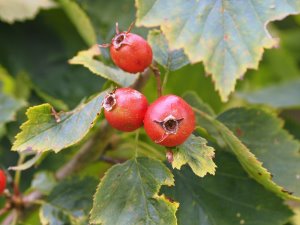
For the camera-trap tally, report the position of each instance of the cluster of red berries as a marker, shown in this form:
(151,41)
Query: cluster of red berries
(168,121)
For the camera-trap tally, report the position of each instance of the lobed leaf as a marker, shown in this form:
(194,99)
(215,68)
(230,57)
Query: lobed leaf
(230,197)
(195,152)
(43,131)
(86,58)
(128,194)
(171,60)
(228,36)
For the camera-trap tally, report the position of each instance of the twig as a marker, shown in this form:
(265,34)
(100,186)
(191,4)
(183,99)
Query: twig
(156,73)
(165,79)
(111,160)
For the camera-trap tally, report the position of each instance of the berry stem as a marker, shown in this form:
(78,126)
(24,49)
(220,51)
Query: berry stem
(137,134)
(130,27)
(157,75)
(165,79)
(18,172)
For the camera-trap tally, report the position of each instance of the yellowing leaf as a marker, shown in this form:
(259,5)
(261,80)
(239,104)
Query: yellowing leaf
(197,154)
(44,131)
(227,36)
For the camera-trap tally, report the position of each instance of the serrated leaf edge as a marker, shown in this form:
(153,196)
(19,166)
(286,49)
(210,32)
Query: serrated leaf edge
(56,150)
(264,175)
(167,182)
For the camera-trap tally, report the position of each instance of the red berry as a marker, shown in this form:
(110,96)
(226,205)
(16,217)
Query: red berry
(169,121)
(125,108)
(130,52)
(2,181)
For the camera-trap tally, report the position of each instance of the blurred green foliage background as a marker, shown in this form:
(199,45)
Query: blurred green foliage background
(34,69)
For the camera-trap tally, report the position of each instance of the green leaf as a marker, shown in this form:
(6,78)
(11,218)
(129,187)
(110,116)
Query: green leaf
(80,20)
(19,10)
(244,153)
(228,36)
(128,194)
(263,134)
(171,60)
(284,95)
(69,202)
(230,197)
(197,154)
(43,131)
(86,58)
(43,181)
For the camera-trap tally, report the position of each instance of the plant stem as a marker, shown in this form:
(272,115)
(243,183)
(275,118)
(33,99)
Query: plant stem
(137,142)
(18,172)
(165,79)
(157,75)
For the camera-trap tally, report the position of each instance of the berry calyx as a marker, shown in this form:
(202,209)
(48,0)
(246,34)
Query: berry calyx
(2,181)
(169,121)
(129,51)
(125,109)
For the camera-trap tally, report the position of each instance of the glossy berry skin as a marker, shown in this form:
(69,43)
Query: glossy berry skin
(2,181)
(169,121)
(125,108)
(131,52)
